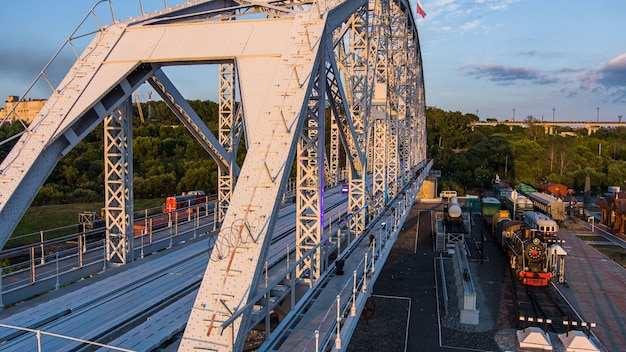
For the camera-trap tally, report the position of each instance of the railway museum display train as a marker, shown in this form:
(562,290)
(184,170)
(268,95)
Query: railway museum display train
(489,206)
(526,251)
(546,203)
(543,225)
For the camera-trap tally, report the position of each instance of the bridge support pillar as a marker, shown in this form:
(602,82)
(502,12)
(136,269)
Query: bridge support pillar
(118,171)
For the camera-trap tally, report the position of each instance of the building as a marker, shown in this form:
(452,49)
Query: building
(614,211)
(25,110)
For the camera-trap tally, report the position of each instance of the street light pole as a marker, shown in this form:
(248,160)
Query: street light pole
(514,198)
(513,114)
(553,111)
(598,114)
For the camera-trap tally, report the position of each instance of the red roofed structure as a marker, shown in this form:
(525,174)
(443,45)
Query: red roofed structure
(614,211)
(556,189)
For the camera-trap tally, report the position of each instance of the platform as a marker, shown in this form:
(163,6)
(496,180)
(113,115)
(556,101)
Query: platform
(412,274)
(595,287)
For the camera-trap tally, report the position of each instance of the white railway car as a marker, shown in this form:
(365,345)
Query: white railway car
(542,223)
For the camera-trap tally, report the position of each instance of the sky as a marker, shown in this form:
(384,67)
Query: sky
(503,59)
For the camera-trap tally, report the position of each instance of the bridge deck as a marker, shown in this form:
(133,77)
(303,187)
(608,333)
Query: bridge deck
(129,294)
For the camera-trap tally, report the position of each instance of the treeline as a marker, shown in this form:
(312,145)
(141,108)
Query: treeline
(469,160)
(168,160)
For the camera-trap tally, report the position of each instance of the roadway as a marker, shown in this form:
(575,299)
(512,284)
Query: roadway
(140,305)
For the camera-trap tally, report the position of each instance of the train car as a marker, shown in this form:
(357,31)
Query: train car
(500,216)
(543,225)
(453,217)
(489,206)
(522,205)
(549,205)
(526,252)
(184,201)
(502,190)
(472,204)
(525,189)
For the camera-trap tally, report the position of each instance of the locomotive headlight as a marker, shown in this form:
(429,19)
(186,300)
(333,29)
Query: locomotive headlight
(534,252)
(536,241)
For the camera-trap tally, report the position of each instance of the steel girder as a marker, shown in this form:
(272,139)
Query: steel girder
(194,124)
(74,109)
(352,51)
(227,131)
(118,179)
(277,82)
(277,113)
(310,183)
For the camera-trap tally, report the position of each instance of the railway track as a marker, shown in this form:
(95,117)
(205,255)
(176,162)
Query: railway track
(543,307)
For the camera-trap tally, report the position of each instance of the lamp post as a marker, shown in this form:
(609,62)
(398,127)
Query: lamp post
(513,114)
(553,112)
(598,114)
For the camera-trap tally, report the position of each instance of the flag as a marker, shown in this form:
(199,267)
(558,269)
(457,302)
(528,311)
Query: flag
(420,9)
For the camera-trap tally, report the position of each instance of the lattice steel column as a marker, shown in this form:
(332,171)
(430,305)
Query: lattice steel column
(355,63)
(333,164)
(401,33)
(310,181)
(379,163)
(412,101)
(118,192)
(226,138)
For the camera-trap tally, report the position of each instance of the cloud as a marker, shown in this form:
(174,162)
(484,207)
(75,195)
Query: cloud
(470,14)
(509,75)
(482,6)
(613,74)
(20,66)
(527,53)
(20,62)
(609,80)
(470,25)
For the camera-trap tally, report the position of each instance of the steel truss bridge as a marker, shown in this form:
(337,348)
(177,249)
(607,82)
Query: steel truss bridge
(288,72)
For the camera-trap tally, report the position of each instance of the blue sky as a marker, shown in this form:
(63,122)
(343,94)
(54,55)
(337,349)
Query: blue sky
(485,56)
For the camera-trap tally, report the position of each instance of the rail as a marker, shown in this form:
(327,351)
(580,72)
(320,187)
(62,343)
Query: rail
(74,257)
(39,333)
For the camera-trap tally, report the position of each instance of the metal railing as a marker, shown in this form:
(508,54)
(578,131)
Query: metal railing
(49,264)
(40,333)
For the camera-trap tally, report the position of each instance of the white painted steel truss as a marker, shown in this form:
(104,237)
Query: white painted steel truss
(357,62)
(118,195)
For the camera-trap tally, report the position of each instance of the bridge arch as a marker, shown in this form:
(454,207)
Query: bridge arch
(357,61)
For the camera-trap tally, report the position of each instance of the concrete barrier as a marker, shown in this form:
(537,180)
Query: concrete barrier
(465,289)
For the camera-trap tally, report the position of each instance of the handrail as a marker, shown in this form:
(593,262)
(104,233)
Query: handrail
(40,332)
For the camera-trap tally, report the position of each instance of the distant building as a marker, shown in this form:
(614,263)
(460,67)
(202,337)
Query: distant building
(614,211)
(556,189)
(25,110)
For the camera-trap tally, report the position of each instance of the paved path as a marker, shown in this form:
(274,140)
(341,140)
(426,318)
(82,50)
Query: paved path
(596,287)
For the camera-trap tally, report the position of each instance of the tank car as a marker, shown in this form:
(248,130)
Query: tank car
(525,250)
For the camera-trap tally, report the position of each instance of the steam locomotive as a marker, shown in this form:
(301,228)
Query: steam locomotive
(526,251)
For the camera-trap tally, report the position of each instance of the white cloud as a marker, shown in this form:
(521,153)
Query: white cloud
(470,25)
